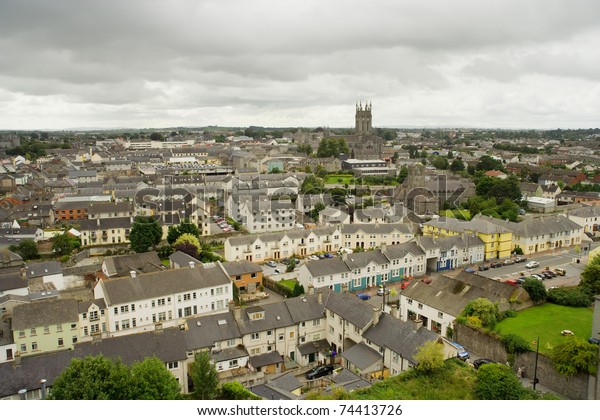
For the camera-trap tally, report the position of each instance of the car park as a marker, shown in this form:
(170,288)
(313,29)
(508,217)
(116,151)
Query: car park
(521,280)
(520,259)
(480,362)
(285,261)
(404,285)
(484,267)
(319,371)
(537,277)
(532,264)
(363,296)
(271,263)
(321,256)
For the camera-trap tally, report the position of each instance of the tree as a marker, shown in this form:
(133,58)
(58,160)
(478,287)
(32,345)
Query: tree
(590,277)
(575,356)
(536,289)
(457,165)
(92,378)
(481,312)
(569,296)
(236,391)
(332,147)
(65,244)
(430,356)
(204,376)
(151,380)
(188,244)
(440,162)
(175,231)
(311,185)
(497,382)
(488,163)
(157,136)
(27,249)
(145,234)
(275,170)
(314,213)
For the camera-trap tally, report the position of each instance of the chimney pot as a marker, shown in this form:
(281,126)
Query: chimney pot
(395,311)
(417,324)
(319,297)
(133,274)
(23,393)
(192,264)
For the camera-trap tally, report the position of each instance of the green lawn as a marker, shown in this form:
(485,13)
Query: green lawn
(288,283)
(547,321)
(459,214)
(334,179)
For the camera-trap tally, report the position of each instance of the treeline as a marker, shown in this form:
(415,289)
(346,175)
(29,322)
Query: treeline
(516,148)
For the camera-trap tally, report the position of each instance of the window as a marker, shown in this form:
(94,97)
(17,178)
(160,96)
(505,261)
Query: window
(125,324)
(420,306)
(316,322)
(60,342)
(173,365)
(233,363)
(187,296)
(84,315)
(160,302)
(33,332)
(255,336)
(34,346)
(74,339)
(409,301)
(59,328)
(440,314)
(73,326)
(85,331)
(94,328)
(116,311)
(23,348)
(280,338)
(94,316)
(21,334)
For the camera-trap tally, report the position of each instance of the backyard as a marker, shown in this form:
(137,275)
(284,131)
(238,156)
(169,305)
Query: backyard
(547,321)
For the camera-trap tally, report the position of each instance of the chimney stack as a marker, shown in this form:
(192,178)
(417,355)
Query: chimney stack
(237,313)
(43,388)
(311,289)
(375,316)
(395,312)
(344,288)
(319,297)
(133,274)
(417,324)
(192,264)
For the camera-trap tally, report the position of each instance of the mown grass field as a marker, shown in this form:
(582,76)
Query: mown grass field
(335,179)
(547,321)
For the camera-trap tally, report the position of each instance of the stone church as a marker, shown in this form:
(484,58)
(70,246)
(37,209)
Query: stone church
(363,143)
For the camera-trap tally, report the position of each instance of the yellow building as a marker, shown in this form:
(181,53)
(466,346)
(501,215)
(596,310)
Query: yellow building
(497,240)
(45,326)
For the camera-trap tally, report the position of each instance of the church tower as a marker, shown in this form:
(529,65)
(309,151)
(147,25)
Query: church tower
(364,120)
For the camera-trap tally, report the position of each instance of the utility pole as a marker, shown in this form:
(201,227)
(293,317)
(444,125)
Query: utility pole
(537,353)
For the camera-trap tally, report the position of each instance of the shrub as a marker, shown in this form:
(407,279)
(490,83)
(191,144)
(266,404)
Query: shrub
(515,344)
(536,289)
(497,382)
(569,296)
(575,356)
(235,391)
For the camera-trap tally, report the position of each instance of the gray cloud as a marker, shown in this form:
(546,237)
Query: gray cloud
(234,62)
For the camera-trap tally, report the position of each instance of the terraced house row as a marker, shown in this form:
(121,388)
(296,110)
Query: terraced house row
(303,242)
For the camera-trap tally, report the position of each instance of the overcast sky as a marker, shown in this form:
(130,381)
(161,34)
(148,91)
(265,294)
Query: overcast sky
(433,63)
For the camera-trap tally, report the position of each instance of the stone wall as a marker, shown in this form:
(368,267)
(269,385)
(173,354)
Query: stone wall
(576,387)
(82,270)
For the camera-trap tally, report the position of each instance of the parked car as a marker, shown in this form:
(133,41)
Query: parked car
(470,270)
(484,267)
(545,275)
(496,264)
(404,285)
(462,354)
(363,296)
(321,256)
(512,282)
(480,362)
(313,258)
(520,259)
(296,261)
(383,290)
(532,264)
(521,280)
(271,263)
(508,262)
(537,277)
(328,256)
(549,273)
(560,271)
(319,371)
(285,261)
(593,340)
(278,271)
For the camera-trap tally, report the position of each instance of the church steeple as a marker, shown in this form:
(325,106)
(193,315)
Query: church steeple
(363,119)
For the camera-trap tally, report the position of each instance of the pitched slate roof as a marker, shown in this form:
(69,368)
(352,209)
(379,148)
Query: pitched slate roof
(312,347)
(326,267)
(203,332)
(12,280)
(399,336)
(229,353)
(276,316)
(451,295)
(45,268)
(586,211)
(266,359)
(362,259)
(182,259)
(305,308)
(150,285)
(375,228)
(237,268)
(361,356)
(45,312)
(121,265)
(349,307)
